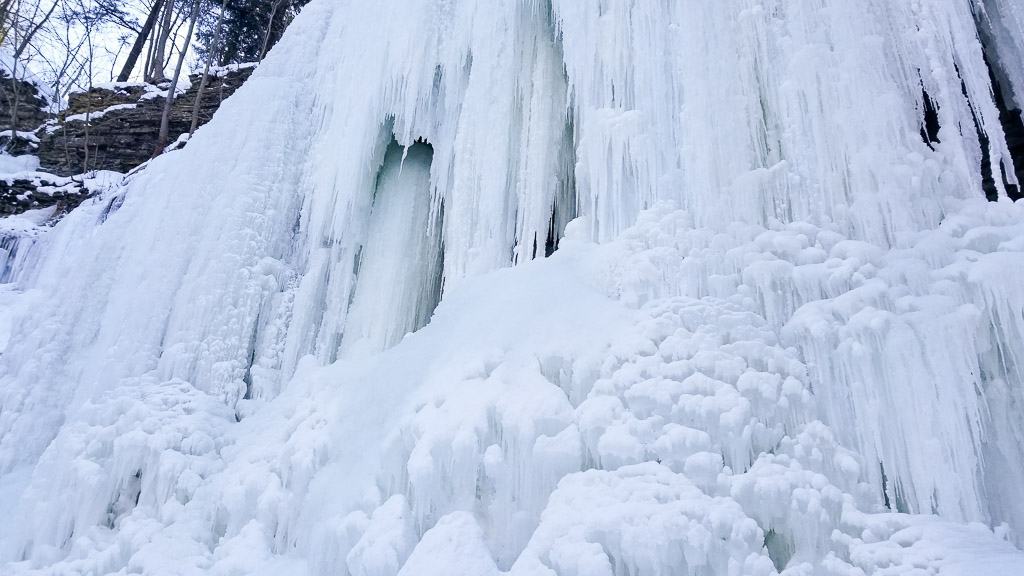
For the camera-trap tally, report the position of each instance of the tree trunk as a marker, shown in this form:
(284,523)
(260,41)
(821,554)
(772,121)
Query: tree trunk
(156,71)
(140,42)
(165,118)
(270,28)
(14,106)
(150,49)
(5,14)
(15,91)
(88,109)
(32,31)
(206,68)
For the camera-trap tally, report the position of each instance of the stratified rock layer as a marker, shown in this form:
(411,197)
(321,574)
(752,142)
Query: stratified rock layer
(116,127)
(23,96)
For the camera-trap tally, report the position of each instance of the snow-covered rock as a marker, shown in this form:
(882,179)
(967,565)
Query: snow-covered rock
(115,126)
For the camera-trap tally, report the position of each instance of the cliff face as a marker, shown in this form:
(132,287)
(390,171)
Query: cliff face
(31,105)
(116,126)
(111,128)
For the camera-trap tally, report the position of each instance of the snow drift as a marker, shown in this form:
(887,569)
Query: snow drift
(781,332)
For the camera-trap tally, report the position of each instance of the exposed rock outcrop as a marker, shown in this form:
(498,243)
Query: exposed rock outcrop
(32,106)
(104,133)
(116,126)
(31,202)
(35,190)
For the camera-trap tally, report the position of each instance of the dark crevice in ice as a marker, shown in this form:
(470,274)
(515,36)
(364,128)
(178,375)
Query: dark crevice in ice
(126,499)
(892,492)
(885,487)
(780,549)
(930,122)
(1012,123)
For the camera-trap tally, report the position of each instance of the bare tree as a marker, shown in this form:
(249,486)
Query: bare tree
(6,10)
(165,118)
(158,60)
(211,53)
(63,47)
(26,22)
(33,29)
(150,51)
(89,59)
(140,41)
(270,27)
(180,20)
(15,85)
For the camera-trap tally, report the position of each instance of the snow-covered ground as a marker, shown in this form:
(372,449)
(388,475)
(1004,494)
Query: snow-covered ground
(781,333)
(15,164)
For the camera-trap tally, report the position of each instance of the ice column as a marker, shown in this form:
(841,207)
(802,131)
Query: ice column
(398,281)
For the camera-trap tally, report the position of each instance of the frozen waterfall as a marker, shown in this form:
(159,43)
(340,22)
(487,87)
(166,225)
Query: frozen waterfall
(782,332)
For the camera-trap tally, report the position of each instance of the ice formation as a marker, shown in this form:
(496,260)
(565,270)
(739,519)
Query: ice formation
(781,332)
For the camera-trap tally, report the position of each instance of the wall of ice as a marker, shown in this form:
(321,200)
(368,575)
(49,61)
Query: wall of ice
(816,317)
